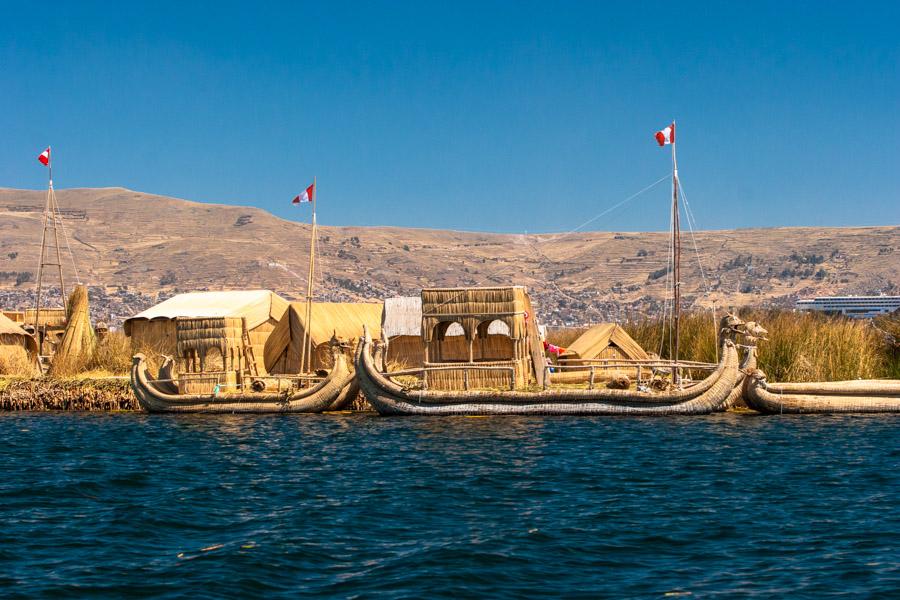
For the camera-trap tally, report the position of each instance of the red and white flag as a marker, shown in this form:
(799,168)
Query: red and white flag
(44,157)
(666,136)
(307,195)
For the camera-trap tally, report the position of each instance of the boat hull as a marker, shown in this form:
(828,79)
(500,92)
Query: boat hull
(332,393)
(821,398)
(389,398)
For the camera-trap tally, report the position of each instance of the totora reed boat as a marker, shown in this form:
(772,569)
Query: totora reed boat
(860,396)
(333,392)
(389,397)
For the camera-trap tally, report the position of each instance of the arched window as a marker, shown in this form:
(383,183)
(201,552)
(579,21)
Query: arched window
(213,361)
(454,329)
(450,341)
(494,341)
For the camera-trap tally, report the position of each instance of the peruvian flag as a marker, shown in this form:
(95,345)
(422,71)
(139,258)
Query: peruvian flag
(44,157)
(666,136)
(307,195)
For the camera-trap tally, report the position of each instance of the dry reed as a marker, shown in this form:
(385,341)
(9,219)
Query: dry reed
(17,363)
(801,346)
(113,354)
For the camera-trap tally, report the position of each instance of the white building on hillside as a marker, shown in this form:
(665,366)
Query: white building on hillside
(858,307)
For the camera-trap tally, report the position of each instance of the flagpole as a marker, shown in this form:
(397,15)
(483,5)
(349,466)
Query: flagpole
(40,276)
(308,342)
(676,240)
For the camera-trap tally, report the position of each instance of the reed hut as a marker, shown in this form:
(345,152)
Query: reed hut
(604,341)
(211,353)
(50,318)
(18,348)
(401,329)
(345,320)
(490,332)
(76,347)
(155,331)
(51,323)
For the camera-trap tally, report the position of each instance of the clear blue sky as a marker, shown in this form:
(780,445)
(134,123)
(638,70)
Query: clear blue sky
(499,116)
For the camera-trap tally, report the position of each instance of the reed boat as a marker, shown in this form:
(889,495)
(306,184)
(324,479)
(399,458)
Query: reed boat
(160,395)
(389,397)
(859,396)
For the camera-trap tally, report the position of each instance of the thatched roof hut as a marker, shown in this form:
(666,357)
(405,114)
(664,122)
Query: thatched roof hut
(605,340)
(284,347)
(50,318)
(492,326)
(18,348)
(401,328)
(155,331)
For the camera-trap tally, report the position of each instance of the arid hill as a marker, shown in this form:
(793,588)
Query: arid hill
(133,246)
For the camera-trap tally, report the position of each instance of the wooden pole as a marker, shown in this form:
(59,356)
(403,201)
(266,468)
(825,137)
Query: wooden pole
(57,223)
(676,240)
(306,354)
(51,219)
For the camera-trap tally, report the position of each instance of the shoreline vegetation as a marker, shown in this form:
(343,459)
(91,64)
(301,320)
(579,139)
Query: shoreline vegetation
(800,347)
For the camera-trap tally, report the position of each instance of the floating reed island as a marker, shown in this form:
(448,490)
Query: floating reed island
(447,351)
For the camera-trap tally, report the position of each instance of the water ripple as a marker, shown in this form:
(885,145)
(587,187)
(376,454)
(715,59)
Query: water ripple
(357,506)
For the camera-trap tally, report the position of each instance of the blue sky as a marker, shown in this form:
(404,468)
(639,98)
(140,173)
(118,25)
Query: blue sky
(496,116)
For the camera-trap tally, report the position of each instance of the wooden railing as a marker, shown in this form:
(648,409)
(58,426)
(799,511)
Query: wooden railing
(593,365)
(465,367)
(216,378)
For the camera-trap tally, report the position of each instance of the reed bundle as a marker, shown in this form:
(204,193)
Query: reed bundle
(77,345)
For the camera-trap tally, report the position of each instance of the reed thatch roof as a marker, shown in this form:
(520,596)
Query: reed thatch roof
(256,306)
(344,319)
(402,316)
(599,337)
(471,306)
(51,318)
(14,334)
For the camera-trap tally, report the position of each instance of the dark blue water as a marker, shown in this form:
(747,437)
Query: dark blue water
(361,506)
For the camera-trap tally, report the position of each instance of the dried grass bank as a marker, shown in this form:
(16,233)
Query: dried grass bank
(73,394)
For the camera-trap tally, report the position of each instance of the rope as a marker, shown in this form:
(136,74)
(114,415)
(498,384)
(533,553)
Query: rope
(691,224)
(670,258)
(58,218)
(497,273)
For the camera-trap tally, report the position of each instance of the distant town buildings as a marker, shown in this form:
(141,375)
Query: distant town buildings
(859,307)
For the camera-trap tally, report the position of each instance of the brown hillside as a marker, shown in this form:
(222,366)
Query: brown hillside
(154,243)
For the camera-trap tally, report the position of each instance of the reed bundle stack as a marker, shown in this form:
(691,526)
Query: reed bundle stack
(76,348)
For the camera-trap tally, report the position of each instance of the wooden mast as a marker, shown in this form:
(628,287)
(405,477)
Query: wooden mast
(51,220)
(676,251)
(306,353)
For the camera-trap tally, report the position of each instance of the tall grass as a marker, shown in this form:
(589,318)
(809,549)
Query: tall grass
(15,362)
(801,346)
(112,354)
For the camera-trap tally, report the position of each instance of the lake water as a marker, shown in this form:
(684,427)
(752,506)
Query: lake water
(361,506)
